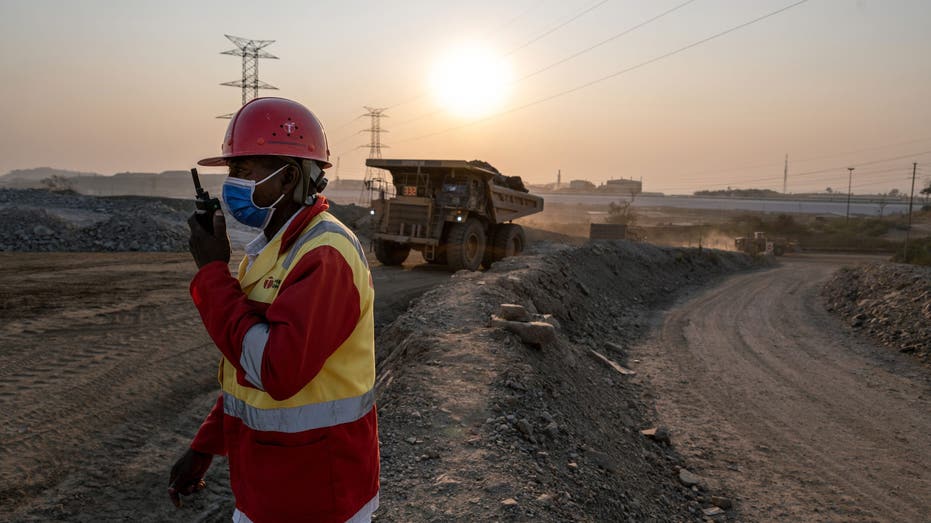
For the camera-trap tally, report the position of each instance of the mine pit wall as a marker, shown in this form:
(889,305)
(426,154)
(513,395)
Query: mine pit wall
(501,429)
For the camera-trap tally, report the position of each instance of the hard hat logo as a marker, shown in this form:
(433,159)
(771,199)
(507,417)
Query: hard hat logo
(289,127)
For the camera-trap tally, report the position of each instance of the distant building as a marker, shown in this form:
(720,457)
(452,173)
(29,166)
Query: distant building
(624,186)
(581,185)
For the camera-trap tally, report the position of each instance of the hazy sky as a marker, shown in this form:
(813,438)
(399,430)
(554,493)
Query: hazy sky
(112,86)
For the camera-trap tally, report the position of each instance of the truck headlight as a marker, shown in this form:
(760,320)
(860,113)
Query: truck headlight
(372,212)
(459,218)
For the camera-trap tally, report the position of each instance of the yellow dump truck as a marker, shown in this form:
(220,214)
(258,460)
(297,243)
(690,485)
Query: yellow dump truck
(455,212)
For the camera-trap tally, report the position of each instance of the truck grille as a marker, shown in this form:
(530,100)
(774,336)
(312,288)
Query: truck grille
(407,220)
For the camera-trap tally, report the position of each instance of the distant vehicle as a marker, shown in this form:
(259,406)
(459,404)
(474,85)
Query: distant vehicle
(455,212)
(758,244)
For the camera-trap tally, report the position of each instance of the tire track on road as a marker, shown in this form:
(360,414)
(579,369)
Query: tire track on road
(766,369)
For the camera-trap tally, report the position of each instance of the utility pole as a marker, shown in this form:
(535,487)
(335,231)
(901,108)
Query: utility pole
(849,187)
(558,178)
(337,169)
(374,179)
(250,51)
(785,175)
(908,231)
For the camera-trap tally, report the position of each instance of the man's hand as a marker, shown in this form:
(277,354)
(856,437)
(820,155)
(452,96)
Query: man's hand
(187,476)
(206,247)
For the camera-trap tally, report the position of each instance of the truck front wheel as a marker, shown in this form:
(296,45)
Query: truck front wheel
(391,253)
(465,245)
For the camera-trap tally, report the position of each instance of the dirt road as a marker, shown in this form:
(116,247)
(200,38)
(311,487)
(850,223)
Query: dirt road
(105,374)
(772,398)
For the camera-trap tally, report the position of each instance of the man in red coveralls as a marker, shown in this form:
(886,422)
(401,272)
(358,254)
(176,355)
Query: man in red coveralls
(296,417)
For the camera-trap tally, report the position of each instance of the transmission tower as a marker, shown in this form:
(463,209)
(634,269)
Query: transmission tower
(375,180)
(250,51)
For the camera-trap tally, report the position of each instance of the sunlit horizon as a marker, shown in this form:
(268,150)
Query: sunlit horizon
(533,88)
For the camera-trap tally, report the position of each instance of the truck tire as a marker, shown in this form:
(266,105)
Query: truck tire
(489,256)
(465,246)
(391,253)
(509,241)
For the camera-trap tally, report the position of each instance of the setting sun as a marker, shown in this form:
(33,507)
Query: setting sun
(470,80)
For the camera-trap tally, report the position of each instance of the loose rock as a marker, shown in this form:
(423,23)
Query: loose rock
(688,479)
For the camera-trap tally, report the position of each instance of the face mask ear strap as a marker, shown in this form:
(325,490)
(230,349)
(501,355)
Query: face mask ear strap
(263,180)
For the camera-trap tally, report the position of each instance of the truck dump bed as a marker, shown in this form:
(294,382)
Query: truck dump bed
(426,178)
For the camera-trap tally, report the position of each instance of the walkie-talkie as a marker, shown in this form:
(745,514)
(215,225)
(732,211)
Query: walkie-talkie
(206,206)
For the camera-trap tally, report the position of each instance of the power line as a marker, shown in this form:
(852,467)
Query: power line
(833,169)
(563,60)
(611,39)
(423,94)
(861,164)
(374,179)
(699,174)
(346,124)
(250,51)
(499,27)
(557,27)
(835,173)
(612,75)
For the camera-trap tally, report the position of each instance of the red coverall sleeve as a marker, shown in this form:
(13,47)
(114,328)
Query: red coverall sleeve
(226,311)
(315,311)
(209,438)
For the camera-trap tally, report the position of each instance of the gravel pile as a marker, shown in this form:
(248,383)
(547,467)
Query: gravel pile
(44,221)
(477,424)
(889,301)
(48,221)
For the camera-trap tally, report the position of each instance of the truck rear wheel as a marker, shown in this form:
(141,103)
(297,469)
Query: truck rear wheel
(465,245)
(509,241)
(391,253)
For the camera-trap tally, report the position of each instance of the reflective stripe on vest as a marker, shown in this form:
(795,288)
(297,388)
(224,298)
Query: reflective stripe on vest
(324,226)
(301,418)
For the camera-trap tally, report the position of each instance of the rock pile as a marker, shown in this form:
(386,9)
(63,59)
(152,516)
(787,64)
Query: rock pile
(480,422)
(47,221)
(889,301)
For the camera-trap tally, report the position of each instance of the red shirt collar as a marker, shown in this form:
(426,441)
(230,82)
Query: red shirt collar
(299,223)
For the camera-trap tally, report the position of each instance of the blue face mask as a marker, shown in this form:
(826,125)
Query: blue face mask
(238,193)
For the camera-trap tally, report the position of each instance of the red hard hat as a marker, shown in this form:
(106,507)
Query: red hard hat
(273,127)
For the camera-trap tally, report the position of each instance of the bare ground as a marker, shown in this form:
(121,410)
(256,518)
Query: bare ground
(774,399)
(105,374)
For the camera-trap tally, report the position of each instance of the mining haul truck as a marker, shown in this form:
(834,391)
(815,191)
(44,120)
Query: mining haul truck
(455,212)
(759,244)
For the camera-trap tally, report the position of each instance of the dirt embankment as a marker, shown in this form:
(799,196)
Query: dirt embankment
(476,425)
(890,302)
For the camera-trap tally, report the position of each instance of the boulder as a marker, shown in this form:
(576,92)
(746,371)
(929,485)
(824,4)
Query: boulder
(534,333)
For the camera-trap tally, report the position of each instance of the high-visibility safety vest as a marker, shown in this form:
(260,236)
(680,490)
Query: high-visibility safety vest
(296,416)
